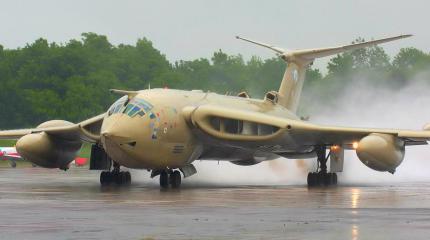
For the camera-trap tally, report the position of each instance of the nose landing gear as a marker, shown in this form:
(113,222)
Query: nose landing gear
(175,179)
(322,177)
(115,176)
(169,177)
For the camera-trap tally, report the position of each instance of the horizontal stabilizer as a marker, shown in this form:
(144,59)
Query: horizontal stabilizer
(311,54)
(274,48)
(308,55)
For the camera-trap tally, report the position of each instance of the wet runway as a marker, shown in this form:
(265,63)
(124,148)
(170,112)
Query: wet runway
(48,204)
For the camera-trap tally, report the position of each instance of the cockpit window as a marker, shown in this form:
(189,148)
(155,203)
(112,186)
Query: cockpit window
(127,108)
(137,106)
(116,106)
(134,107)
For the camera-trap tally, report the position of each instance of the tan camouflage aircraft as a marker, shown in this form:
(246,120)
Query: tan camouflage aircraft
(165,130)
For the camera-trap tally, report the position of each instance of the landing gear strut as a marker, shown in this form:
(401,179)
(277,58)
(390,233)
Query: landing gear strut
(115,176)
(321,177)
(169,177)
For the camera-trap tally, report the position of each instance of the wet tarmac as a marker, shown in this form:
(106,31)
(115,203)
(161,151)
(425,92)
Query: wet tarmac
(48,204)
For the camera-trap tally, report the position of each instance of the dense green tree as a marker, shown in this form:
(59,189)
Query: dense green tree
(43,80)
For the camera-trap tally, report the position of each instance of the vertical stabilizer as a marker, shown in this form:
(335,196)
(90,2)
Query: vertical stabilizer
(298,61)
(292,85)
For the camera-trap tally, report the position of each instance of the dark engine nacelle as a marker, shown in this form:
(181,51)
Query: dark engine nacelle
(48,150)
(254,158)
(246,162)
(381,152)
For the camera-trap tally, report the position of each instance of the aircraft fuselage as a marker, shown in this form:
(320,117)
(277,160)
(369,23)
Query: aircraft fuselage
(150,131)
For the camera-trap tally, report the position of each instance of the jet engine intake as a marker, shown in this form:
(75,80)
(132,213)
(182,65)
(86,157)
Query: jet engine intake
(381,152)
(48,150)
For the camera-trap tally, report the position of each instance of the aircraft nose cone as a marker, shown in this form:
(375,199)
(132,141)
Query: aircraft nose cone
(115,136)
(106,134)
(119,141)
(118,132)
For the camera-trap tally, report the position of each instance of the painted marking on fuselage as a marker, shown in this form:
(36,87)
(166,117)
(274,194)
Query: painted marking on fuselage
(178,149)
(164,119)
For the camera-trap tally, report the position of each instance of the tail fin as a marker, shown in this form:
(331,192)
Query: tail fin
(297,62)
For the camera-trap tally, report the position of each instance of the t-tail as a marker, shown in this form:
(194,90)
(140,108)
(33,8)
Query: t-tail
(299,60)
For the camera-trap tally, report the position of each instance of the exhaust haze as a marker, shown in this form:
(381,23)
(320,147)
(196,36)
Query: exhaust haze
(360,105)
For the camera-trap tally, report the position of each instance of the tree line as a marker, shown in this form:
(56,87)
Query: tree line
(44,80)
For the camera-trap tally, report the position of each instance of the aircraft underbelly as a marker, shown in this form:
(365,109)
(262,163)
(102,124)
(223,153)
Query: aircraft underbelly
(285,144)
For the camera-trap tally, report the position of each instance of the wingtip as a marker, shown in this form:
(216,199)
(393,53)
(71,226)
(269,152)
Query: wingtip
(407,35)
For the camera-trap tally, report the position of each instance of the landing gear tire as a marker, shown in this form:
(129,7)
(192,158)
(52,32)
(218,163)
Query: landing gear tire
(105,178)
(119,178)
(322,177)
(175,179)
(128,177)
(333,178)
(164,180)
(12,164)
(327,178)
(312,179)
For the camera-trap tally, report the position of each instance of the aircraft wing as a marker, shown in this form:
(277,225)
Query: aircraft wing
(259,129)
(87,130)
(314,134)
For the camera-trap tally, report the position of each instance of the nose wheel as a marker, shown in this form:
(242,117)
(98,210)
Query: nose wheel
(170,178)
(115,176)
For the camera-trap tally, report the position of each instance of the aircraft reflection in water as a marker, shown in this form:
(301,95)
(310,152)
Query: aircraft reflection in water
(355,197)
(164,131)
(354,232)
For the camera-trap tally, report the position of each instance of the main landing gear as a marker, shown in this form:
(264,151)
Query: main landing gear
(321,177)
(115,176)
(170,177)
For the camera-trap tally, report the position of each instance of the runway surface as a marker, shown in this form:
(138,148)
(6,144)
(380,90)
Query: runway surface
(48,204)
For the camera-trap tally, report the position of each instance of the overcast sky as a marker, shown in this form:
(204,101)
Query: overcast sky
(196,28)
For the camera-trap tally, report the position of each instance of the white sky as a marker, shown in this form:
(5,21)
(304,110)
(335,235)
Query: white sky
(189,29)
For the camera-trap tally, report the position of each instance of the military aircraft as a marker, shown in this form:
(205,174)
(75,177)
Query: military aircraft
(165,130)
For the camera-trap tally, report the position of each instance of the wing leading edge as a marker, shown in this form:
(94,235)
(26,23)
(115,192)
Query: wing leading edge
(303,133)
(87,130)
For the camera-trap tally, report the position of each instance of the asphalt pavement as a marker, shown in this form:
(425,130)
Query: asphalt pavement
(40,203)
